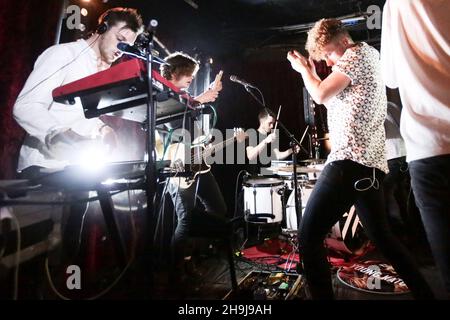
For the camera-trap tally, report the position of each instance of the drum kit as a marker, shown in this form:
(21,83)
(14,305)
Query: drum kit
(270,200)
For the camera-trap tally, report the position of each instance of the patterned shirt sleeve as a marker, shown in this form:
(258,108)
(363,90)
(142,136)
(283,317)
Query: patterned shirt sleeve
(350,64)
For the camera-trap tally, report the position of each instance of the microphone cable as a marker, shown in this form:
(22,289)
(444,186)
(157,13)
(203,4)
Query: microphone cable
(373,183)
(22,95)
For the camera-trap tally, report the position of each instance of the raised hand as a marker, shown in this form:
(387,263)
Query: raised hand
(217,84)
(212,93)
(209,95)
(298,62)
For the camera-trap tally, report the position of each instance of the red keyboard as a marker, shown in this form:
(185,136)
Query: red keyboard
(122,91)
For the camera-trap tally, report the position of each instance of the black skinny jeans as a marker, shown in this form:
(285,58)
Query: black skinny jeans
(430,180)
(184,200)
(333,195)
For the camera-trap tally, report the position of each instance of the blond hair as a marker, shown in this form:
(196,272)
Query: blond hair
(322,33)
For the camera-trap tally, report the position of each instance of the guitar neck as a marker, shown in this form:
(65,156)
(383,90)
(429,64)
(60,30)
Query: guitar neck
(219,146)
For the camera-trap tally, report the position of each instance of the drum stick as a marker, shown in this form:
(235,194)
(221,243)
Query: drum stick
(304,134)
(278,117)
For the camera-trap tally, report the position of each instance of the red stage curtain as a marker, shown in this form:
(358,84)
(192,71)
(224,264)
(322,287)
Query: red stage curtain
(27,28)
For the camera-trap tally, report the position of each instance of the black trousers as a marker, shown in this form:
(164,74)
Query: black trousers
(430,180)
(333,195)
(207,192)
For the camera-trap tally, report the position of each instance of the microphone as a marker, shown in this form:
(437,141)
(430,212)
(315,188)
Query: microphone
(144,38)
(126,48)
(135,52)
(242,82)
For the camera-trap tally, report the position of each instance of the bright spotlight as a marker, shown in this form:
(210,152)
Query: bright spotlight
(93,159)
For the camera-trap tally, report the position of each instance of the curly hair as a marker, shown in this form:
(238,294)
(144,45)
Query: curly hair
(322,33)
(180,64)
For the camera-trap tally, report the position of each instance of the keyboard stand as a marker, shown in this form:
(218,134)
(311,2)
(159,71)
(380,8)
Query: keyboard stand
(111,224)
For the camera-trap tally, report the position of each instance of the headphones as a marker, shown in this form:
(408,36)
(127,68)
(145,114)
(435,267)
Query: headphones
(103,26)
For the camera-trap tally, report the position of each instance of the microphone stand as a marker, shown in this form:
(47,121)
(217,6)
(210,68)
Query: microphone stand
(293,142)
(150,170)
(145,58)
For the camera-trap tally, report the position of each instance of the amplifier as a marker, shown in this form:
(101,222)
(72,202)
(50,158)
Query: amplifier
(38,224)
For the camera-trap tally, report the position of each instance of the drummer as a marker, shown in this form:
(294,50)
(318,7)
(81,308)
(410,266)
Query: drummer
(262,150)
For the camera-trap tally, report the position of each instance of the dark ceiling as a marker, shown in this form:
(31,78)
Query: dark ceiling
(218,27)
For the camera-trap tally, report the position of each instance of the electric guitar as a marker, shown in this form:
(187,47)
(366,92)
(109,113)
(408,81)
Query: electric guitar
(199,155)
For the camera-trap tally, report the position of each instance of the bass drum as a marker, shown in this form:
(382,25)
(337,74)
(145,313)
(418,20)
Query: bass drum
(346,236)
(291,217)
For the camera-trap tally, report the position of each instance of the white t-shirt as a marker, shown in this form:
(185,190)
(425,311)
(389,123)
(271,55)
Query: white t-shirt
(415,56)
(356,115)
(38,114)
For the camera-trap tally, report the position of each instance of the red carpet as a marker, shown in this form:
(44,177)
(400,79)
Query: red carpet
(281,254)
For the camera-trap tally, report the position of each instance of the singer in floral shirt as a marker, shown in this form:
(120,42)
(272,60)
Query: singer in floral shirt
(354,95)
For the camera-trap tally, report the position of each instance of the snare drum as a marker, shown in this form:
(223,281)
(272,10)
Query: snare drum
(346,236)
(263,200)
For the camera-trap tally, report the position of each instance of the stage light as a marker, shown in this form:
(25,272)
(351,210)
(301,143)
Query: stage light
(84,12)
(93,158)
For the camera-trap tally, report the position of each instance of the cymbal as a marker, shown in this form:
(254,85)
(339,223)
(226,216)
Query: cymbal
(313,160)
(299,169)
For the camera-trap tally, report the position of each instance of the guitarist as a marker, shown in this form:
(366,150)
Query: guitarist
(180,72)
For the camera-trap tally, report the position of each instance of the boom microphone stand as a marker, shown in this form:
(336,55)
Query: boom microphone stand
(150,170)
(293,142)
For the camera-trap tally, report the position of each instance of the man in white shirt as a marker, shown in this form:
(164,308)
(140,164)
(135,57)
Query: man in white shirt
(355,98)
(415,56)
(57,133)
